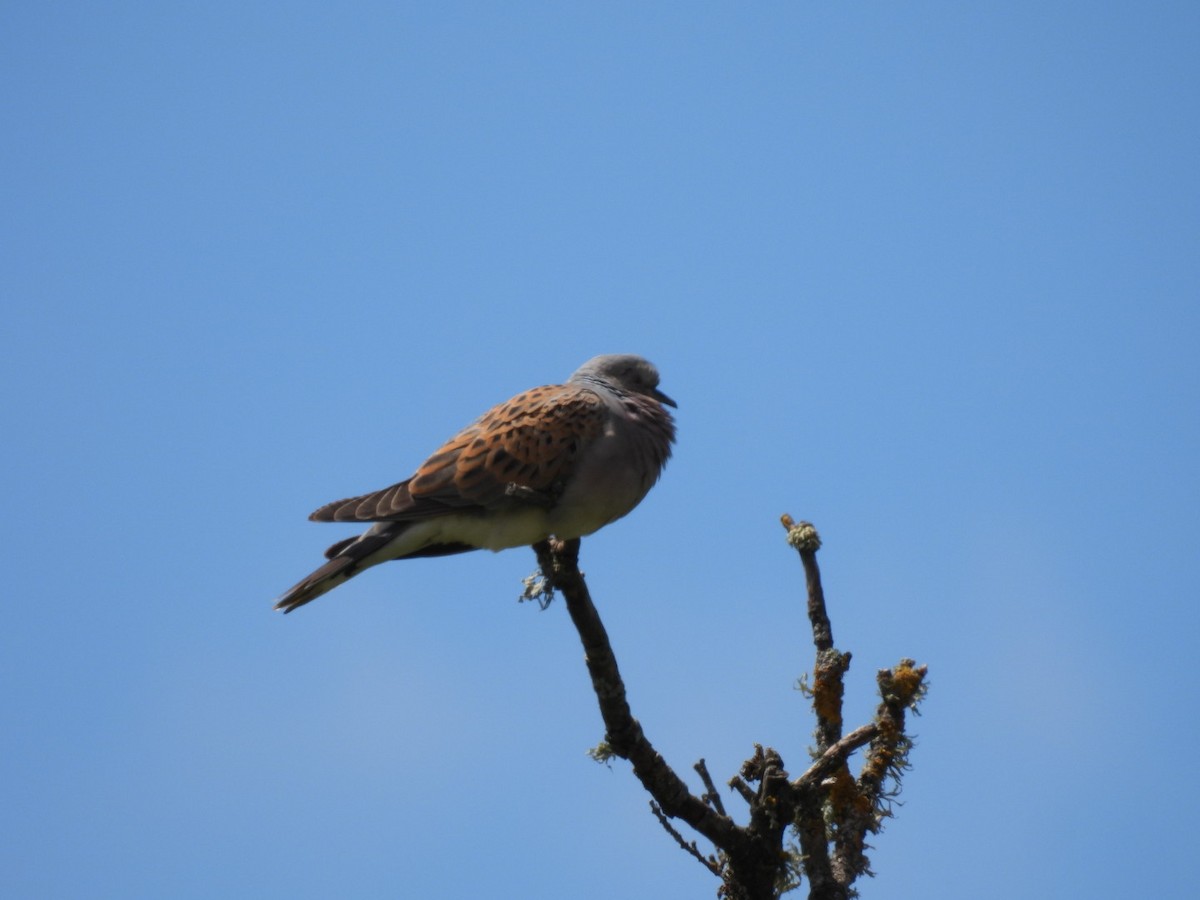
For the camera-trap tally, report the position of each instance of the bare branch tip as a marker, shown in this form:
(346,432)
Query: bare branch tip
(801,535)
(907,682)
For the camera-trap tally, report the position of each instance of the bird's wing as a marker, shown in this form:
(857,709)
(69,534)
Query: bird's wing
(522,450)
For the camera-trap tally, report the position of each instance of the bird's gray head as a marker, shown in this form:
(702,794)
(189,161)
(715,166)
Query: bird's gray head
(624,371)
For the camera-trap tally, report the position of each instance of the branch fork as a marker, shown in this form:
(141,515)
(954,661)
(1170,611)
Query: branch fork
(829,809)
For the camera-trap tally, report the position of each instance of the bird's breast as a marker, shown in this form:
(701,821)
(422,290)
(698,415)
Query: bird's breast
(607,484)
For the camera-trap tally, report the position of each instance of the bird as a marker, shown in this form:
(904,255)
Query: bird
(560,461)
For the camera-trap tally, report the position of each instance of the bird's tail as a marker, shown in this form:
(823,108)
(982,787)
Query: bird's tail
(346,559)
(379,543)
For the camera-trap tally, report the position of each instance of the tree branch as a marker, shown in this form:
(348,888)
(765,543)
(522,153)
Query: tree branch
(559,562)
(831,665)
(803,536)
(836,756)
(711,797)
(830,810)
(689,846)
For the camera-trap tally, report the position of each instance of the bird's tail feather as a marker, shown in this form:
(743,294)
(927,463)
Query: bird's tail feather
(346,559)
(336,571)
(354,554)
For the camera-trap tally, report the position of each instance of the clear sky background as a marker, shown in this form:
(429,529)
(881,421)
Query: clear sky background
(925,274)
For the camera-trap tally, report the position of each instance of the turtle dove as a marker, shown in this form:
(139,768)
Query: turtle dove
(561,460)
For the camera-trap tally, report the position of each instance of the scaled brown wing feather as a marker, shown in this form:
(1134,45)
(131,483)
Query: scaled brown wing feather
(531,441)
(379,506)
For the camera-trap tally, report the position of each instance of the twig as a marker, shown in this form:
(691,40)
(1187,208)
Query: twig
(900,689)
(744,789)
(711,796)
(831,664)
(836,756)
(559,561)
(803,536)
(689,846)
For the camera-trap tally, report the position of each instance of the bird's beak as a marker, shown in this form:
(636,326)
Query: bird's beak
(663,398)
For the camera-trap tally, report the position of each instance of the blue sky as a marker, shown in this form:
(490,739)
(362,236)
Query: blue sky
(925,274)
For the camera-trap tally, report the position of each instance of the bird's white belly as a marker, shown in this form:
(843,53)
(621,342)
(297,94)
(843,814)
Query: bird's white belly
(517,528)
